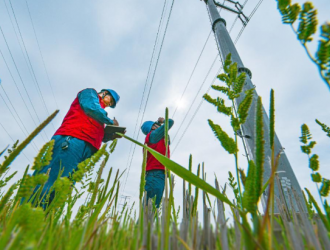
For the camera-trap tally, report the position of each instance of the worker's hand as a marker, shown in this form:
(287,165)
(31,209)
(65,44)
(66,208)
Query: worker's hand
(161,119)
(115,122)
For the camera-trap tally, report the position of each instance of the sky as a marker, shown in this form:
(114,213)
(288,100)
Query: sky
(109,44)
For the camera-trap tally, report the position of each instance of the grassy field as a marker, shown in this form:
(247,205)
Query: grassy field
(99,225)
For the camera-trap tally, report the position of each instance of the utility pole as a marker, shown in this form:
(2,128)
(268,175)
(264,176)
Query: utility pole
(225,44)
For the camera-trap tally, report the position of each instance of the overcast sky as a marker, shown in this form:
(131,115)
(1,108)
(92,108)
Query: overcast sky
(108,44)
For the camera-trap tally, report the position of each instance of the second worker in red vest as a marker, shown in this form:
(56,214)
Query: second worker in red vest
(155,171)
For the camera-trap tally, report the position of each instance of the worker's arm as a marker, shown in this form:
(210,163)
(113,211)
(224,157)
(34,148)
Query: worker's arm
(89,102)
(159,133)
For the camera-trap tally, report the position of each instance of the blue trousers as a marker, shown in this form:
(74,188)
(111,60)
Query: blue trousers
(65,160)
(155,183)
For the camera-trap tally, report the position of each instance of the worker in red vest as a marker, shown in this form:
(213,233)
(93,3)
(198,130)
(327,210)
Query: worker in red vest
(155,171)
(80,135)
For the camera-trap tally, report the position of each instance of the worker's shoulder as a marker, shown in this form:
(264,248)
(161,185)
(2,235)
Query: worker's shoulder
(87,91)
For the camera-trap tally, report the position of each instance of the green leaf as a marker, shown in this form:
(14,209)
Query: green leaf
(44,156)
(323,58)
(233,185)
(314,162)
(307,149)
(316,177)
(219,103)
(250,198)
(227,142)
(308,23)
(227,63)
(260,154)
(289,12)
(244,107)
(305,134)
(324,127)
(325,188)
(238,86)
(282,4)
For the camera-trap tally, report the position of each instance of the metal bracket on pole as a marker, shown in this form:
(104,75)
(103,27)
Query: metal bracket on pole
(246,70)
(218,20)
(239,12)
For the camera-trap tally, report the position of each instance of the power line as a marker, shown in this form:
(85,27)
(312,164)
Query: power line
(34,75)
(192,73)
(12,139)
(192,103)
(197,109)
(23,99)
(255,8)
(43,61)
(146,82)
(25,134)
(155,69)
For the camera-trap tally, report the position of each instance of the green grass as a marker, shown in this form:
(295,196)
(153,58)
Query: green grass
(98,224)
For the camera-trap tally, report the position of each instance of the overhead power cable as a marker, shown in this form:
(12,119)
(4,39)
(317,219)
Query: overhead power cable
(28,57)
(25,134)
(152,79)
(42,57)
(193,100)
(19,92)
(255,8)
(12,139)
(146,82)
(192,73)
(197,109)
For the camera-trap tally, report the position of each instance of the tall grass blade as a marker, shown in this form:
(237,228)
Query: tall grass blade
(11,157)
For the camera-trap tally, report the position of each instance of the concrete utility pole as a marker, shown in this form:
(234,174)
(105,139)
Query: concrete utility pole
(285,172)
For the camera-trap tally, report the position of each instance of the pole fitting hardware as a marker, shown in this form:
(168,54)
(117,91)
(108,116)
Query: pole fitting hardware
(218,20)
(246,70)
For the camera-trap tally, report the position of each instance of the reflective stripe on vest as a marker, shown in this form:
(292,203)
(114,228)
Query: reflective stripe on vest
(79,125)
(152,162)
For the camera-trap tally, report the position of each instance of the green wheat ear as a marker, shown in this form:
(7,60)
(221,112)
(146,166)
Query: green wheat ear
(227,142)
(44,156)
(260,154)
(244,107)
(324,127)
(305,134)
(325,188)
(250,193)
(308,22)
(305,137)
(314,162)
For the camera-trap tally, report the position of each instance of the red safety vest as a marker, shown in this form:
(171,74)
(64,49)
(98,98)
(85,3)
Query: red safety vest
(79,125)
(152,162)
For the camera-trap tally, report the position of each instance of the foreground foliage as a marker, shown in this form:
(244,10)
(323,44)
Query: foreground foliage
(98,224)
(306,17)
